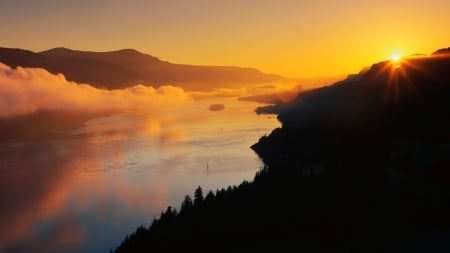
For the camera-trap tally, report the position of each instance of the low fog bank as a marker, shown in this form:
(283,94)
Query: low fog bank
(38,105)
(28,90)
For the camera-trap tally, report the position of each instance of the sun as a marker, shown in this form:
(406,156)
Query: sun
(396,57)
(396,60)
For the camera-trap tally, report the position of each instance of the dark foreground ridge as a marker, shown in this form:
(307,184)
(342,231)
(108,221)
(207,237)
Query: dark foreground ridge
(359,166)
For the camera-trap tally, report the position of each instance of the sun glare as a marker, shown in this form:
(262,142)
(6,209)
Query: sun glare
(396,57)
(396,60)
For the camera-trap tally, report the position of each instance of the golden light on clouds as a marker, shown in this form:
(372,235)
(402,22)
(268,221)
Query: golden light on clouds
(27,90)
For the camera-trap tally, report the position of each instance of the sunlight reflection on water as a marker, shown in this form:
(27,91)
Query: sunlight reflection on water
(86,192)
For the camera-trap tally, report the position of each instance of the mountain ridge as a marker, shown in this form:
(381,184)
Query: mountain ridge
(126,67)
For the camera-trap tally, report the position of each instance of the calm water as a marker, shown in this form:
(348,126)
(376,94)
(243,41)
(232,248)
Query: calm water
(84,193)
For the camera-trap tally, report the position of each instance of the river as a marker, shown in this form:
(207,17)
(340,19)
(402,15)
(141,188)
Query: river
(86,192)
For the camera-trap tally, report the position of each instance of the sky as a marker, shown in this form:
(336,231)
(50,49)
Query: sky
(294,38)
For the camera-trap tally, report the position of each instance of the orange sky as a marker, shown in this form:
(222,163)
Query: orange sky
(296,38)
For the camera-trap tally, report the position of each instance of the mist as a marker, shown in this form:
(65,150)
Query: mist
(28,90)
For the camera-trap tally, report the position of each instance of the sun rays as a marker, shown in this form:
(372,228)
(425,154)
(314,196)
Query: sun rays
(397,76)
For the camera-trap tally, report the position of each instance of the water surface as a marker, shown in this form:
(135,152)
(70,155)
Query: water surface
(85,192)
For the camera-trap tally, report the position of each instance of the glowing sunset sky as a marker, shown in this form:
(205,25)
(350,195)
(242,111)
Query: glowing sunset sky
(296,38)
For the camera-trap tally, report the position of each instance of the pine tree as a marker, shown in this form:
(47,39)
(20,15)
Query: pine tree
(198,196)
(187,203)
(209,197)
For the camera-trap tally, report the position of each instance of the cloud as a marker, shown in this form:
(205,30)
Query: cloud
(27,90)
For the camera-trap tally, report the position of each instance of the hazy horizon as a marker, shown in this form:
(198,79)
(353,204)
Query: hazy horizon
(292,38)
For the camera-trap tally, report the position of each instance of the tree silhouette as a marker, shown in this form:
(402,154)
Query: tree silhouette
(198,196)
(209,197)
(169,213)
(187,203)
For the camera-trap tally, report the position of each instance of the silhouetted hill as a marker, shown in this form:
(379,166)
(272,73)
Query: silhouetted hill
(358,166)
(19,57)
(442,51)
(387,103)
(127,67)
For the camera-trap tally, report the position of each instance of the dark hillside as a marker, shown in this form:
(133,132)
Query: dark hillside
(359,166)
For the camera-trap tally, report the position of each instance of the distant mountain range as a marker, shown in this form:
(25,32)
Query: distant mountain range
(127,67)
